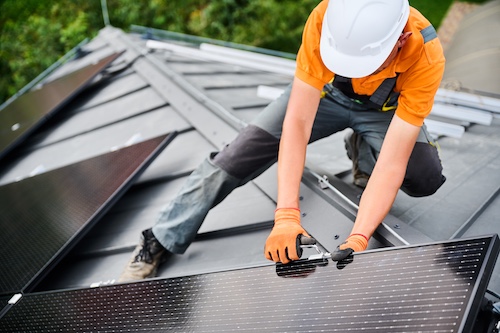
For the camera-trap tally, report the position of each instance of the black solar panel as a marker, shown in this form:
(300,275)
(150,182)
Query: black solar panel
(429,288)
(3,302)
(27,112)
(43,215)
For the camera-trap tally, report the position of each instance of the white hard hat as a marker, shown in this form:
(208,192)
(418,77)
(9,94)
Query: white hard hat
(358,35)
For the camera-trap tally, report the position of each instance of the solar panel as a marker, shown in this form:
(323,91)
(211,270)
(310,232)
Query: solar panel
(42,216)
(3,303)
(28,112)
(430,288)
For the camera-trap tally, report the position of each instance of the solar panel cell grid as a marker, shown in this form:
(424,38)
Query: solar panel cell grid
(417,289)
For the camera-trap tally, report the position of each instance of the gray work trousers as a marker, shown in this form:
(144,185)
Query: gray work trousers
(256,148)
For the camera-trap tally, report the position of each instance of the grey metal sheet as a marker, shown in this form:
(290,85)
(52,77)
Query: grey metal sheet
(154,194)
(116,88)
(105,114)
(179,158)
(194,108)
(39,225)
(248,114)
(485,221)
(228,80)
(238,98)
(246,206)
(202,113)
(436,287)
(201,67)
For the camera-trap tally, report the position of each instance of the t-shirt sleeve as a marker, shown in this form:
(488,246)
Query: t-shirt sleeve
(420,84)
(310,67)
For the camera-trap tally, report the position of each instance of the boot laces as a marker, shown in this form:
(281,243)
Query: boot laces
(145,253)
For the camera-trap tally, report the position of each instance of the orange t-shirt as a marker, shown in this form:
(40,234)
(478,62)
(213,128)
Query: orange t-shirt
(420,66)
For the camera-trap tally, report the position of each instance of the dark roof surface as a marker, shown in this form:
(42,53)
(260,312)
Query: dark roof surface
(206,97)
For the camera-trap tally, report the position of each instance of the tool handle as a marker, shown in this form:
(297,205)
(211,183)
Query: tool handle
(304,241)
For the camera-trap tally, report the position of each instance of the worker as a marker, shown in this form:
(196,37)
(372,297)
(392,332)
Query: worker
(370,65)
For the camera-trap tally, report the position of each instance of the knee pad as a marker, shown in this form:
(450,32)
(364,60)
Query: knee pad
(252,149)
(424,172)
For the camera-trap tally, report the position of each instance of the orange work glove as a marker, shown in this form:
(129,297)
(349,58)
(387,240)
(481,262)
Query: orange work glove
(353,243)
(281,245)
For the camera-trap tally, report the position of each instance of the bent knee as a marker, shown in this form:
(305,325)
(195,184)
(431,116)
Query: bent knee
(424,187)
(252,149)
(424,174)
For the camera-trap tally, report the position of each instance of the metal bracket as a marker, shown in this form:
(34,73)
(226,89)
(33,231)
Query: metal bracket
(320,254)
(14,299)
(324,182)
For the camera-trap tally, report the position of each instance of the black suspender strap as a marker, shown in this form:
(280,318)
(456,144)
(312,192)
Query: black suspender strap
(377,100)
(383,92)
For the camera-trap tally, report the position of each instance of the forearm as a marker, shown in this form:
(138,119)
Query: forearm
(281,245)
(291,162)
(302,107)
(377,199)
(387,176)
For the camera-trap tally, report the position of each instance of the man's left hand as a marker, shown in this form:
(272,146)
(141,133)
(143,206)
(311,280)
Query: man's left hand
(353,243)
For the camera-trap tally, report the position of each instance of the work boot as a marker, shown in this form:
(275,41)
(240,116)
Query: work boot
(352,141)
(145,260)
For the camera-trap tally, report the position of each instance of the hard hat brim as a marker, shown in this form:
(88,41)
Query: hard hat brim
(355,66)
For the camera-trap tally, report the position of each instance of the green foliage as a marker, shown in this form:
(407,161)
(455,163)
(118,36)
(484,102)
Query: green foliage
(264,23)
(34,33)
(433,10)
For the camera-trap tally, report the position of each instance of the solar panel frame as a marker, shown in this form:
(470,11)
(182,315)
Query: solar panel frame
(45,215)
(4,301)
(311,297)
(29,111)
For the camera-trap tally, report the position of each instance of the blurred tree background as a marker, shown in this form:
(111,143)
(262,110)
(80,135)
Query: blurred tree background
(34,33)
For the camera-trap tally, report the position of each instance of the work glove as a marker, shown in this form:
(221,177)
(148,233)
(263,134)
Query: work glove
(282,245)
(353,243)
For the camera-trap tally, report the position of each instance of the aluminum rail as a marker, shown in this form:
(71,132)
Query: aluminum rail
(203,55)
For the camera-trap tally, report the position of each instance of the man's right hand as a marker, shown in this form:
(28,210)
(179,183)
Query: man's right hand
(281,245)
